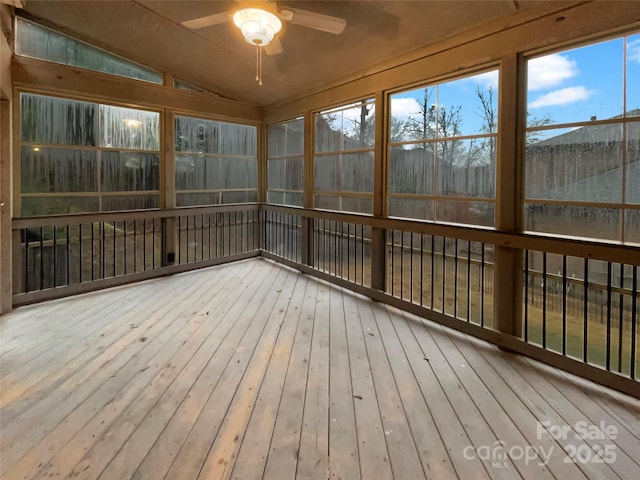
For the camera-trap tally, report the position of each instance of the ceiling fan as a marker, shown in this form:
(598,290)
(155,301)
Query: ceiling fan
(260,21)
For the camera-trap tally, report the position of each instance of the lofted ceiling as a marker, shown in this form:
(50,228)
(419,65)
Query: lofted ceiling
(217,58)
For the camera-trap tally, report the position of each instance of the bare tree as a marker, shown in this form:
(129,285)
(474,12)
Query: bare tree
(423,124)
(534,136)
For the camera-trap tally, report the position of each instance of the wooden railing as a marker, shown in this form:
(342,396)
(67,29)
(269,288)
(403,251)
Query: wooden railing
(576,303)
(447,273)
(69,254)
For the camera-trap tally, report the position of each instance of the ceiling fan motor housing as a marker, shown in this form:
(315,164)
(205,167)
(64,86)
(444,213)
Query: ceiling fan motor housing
(258,26)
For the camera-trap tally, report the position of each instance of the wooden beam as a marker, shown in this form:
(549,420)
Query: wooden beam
(48,77)
(6,164)
(378,235)
(15,3)
(307,182)
(6,196)
(168,193)
(508,270)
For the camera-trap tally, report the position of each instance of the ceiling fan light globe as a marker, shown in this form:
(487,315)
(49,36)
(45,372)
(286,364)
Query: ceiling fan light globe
(258,26)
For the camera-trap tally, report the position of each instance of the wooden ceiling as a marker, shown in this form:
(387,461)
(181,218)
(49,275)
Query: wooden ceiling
(378,34)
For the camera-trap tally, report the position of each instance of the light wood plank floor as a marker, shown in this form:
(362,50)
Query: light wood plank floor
(252,370)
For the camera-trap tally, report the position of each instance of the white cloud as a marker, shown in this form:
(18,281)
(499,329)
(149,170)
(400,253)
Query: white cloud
(633,50)
(405,108)
(563,96)
(550,71)
(487,79)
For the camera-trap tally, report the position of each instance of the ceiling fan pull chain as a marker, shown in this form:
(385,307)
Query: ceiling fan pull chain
(257,63)
(260,65)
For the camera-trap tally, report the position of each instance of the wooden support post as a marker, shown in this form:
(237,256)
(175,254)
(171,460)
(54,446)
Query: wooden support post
(378,235)
(307,196)
(7,262)
(6,161)
(508,266)
(168,192)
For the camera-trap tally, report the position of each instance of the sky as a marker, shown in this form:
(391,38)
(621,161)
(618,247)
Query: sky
(569,86)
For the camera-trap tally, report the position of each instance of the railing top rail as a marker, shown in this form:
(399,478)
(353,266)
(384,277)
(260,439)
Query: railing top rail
(596,250)
(75,219)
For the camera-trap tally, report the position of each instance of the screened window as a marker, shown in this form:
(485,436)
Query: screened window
(344,158)
(36,41)
(286,163)
(216,162)
(442,151)
(86,157)
(583,142)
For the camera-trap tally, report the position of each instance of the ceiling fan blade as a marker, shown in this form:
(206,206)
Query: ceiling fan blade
(274,47)
(317,21)
(209,20)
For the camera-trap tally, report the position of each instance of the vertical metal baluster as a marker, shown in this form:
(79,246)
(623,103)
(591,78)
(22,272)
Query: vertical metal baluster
(228,233)
(92,252)
(621,318)
(316,243)
(186,247)
(103,246)
(482,287)
(349,251)
(421,269)
(144,245)
(564,304)
(362,255)
(545,281)
(80,253)
(468,281)
(325,246)
(179,240)
(153,244)
(455,279)
(202,237)
(25,236)
(392,234)
(634,321)
(290,230)
(125,247)
(433,271)
(235,232)
(289,240)
(217,234)
(114,248)
(336,251)
(135,247)
(411,271)
(209,235)
(68,259)
(341,252)
(526,295)
(55,257)
(280,234)
(585,356)
(401,264)
(444,273)
(41,258)
(609,305)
